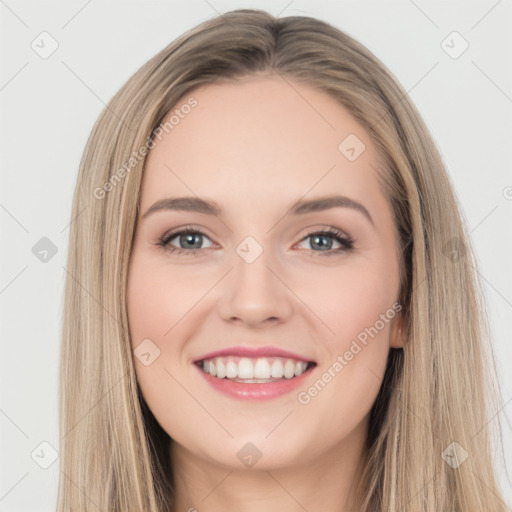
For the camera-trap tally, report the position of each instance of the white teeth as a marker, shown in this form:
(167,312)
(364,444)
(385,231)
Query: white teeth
(289,369)
(221,369)
(260,368)
(245,368)
(231,370)
(277,369)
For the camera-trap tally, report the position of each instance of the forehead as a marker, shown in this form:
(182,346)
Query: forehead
(257,138)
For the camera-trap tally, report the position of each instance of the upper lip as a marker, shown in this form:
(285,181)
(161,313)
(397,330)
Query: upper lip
(253,352)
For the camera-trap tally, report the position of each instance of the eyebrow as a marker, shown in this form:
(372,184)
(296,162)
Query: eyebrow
(301,207)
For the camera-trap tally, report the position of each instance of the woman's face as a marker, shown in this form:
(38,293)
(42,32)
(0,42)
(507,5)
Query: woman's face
(259,273)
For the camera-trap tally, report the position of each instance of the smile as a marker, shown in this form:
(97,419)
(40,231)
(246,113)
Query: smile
(261,378)
(262,369)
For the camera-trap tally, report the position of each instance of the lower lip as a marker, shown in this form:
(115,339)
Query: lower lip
(255,391)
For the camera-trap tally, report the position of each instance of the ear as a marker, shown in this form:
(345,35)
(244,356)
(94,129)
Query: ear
(397,334)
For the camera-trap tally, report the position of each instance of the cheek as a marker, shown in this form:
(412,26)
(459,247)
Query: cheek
(155,305)
(357,305)
(352,299)
(156,301)
(159,298)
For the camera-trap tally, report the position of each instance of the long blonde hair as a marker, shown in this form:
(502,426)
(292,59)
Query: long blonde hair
(437,390)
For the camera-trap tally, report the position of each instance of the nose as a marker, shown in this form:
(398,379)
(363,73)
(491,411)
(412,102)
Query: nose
(255,293)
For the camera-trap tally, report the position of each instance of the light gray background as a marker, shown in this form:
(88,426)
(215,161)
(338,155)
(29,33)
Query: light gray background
(48,107)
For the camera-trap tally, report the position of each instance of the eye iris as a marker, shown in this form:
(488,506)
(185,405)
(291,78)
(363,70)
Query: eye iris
(189,238)
(315,239)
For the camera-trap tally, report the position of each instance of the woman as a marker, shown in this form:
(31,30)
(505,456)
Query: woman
(247,370)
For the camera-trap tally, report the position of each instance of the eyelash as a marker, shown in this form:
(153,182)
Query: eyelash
(347,243)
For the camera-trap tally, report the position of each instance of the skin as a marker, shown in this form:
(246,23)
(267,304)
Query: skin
(255,147)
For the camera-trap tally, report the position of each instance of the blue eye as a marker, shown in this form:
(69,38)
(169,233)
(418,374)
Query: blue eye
(191,239)
(318,240)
